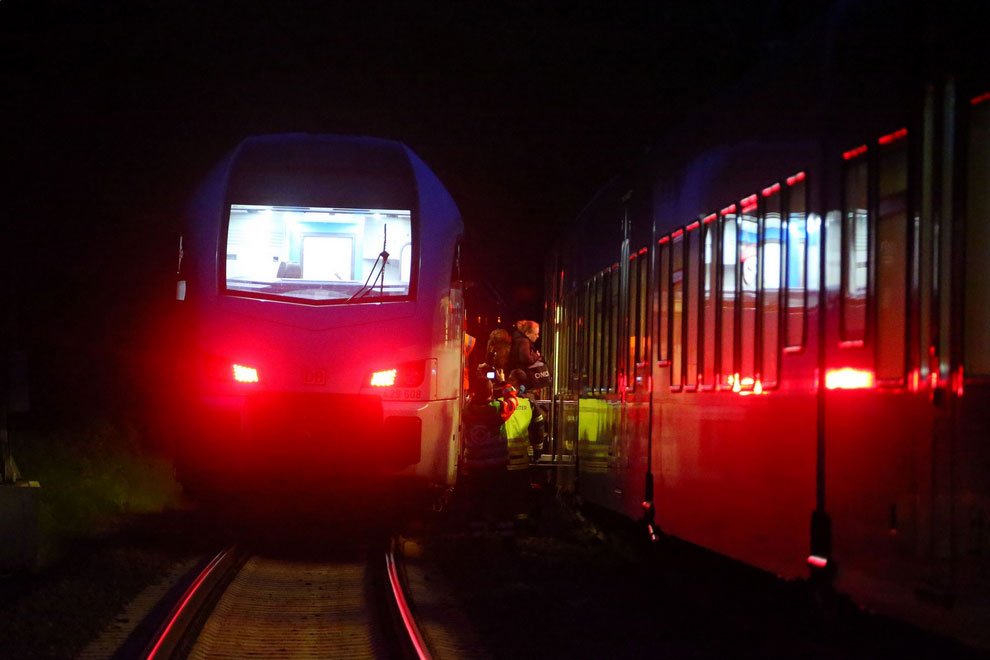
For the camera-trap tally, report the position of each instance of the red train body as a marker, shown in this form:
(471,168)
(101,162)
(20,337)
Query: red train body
(771,337)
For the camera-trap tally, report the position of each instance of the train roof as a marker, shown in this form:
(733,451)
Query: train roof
(322,170)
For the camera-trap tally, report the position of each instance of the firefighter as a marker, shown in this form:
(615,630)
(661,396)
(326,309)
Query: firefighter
(486,453)
(525,434)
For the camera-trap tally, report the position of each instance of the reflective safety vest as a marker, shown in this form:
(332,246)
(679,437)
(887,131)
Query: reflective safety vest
(517,434)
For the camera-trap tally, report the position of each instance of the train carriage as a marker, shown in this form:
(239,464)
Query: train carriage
(770,335)
(320,320)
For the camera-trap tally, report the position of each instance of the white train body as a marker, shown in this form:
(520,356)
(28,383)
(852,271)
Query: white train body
(308,358)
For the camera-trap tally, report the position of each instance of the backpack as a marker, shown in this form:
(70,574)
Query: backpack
(538,375)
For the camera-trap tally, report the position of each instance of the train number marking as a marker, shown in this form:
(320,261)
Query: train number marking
(403,394)
(314,377)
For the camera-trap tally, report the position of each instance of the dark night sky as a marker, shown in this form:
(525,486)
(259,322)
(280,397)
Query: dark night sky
(114,111)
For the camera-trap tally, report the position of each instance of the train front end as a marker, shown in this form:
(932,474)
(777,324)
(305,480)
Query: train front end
(321,324)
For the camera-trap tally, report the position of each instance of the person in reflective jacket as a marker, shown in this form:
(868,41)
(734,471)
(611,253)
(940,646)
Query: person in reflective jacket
(486,452)
(526,433)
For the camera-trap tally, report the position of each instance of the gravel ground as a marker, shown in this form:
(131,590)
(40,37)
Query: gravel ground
(578,586)
(572,586)
(56,611)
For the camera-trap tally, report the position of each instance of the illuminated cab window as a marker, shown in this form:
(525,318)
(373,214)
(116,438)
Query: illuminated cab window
(976,358)
(855,246)
(891,257)
(318,255)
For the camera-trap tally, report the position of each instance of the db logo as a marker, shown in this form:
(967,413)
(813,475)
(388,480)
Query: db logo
(314,377)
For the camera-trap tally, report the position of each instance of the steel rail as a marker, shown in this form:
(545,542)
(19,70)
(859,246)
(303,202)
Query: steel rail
(405,612)
(165,641)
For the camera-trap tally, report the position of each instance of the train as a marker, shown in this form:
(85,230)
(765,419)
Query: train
(770,333)
(319,323)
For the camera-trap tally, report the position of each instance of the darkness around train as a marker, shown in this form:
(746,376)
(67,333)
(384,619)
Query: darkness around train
(120,181)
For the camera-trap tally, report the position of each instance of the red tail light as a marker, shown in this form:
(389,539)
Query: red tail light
(383,378)
(407,374)
(244,374)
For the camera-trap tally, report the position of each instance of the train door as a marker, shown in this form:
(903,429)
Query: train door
(960,544)
(878,421)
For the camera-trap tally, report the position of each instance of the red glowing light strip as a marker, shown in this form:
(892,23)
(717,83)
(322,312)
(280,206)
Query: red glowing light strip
(820,562)
(615,266)
(407,618)
(749,203)
(731,208)
(642,251)
(679,232)
(848,379)
(771,190)
(186,598)
(976,100)
(694,225)
(957,381)
(709,218)
(797,178)
(664,240)
(852,153)
(891,137)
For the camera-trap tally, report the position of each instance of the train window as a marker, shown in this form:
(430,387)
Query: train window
(642,344)
(855,247)
(613,329)
(691,303)
(727,309)
(749,271)
(892,255)
(708,301)
(797,260)
(598,292)
(770,248)
(663,317)
(976,359)
(677,309)
(585,336)
(318,255)
(638,270)
(632,323)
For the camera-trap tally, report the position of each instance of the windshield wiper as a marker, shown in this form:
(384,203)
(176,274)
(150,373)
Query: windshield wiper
(383,258)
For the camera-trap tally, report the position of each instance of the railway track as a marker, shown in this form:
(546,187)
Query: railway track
(239,604)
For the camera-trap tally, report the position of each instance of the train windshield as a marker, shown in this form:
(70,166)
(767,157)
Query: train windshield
(319,255)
